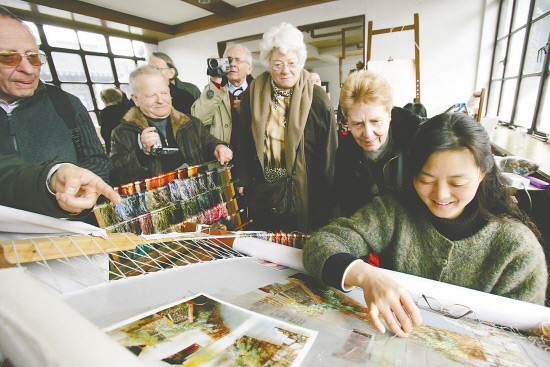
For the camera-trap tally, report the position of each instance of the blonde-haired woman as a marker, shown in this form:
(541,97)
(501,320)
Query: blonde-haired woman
(370,160)
(288,129)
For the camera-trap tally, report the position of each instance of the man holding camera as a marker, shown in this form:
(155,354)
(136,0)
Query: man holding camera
(154,138)
(219,104)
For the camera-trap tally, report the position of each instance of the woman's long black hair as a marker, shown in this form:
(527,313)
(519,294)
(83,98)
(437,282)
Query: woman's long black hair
(455,131)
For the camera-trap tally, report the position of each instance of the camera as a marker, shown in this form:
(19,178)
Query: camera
(218,67)
(158,149)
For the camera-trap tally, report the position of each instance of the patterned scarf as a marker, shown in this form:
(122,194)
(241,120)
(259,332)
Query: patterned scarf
(278,92)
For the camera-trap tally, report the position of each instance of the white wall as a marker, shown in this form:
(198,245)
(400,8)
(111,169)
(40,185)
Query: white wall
(330,74)
(450,43)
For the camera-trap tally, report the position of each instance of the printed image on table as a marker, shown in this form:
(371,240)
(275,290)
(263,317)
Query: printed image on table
(208,332)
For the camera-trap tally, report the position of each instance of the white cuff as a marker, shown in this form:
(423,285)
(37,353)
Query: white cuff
(344,287)
(50,174)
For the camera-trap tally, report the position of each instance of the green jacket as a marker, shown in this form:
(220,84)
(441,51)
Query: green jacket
(189,87)
(502,258)
(195,143)
(215,112)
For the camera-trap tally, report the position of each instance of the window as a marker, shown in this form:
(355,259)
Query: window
(519,77)
(61,37)
(85,63)
(121,46)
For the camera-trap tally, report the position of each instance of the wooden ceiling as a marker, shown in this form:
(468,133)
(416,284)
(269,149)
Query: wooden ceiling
(93,16)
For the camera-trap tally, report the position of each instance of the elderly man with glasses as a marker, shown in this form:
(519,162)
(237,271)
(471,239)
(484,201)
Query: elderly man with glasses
(219,104)
(37,122)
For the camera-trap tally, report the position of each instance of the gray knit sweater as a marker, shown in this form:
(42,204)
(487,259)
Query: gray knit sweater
(35,132)
(502,258)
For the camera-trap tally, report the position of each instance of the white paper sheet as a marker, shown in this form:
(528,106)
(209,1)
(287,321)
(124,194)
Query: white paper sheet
(38,329)
(487,307)
(279,254)
(18,224)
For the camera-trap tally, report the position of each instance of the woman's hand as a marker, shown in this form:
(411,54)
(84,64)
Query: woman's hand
(385,297)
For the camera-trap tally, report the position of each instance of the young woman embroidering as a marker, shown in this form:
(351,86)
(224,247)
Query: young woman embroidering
(456,223)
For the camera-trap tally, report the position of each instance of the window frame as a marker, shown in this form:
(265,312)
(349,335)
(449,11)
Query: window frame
(47,49)
(533,125)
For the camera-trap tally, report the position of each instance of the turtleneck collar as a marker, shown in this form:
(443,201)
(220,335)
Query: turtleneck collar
(467,224)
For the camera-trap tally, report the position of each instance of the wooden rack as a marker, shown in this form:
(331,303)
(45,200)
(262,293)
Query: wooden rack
(414,27)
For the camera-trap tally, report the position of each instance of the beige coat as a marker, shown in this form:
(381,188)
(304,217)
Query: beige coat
(215,112)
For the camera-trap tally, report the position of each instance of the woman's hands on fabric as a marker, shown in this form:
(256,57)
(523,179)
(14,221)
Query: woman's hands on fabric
(386,298)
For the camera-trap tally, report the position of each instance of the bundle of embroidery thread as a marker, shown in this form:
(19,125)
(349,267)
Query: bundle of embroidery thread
(162,203)
(293,239)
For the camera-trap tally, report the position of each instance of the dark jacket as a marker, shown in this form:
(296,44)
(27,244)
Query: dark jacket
(194,141)
(315,173)
(23,187)
(356,176)
(35,132)
(109,118)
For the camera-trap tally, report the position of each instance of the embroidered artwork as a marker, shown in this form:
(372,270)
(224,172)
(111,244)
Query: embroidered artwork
(205,331)
(455,346)
(301,293)
(346,337)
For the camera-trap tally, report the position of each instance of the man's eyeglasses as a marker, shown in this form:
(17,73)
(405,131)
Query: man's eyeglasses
(238,61)
(278,66)
(15,58)
(455,311)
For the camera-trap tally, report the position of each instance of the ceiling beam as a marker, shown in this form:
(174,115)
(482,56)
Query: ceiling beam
(214,6)
(80,7)
(81,26)
(332,23)
(242,13)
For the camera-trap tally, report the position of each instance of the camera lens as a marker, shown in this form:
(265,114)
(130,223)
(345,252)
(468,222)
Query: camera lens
(213,63)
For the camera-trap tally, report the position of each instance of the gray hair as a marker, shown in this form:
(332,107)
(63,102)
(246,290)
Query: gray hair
(144,70)
(286,38)
(168,60)
(248,53)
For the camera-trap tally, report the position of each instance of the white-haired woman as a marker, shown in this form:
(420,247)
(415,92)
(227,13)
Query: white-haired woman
(288,129)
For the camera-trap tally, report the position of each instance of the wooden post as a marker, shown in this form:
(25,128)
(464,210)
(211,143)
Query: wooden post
(417,55)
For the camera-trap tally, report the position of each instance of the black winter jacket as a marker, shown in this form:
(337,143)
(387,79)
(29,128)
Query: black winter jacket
(358,180)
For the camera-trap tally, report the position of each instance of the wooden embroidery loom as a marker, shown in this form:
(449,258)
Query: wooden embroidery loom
(41,329)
